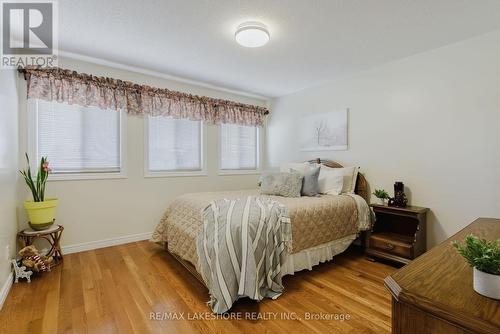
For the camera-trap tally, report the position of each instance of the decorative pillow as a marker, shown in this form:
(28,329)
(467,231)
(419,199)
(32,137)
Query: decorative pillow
(349,181)
(310,186)
(301,167)
(330,181)
(349,175)
(281,184)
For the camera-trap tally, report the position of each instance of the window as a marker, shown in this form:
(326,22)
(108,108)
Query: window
(174,146)
(239,148)
(83,141)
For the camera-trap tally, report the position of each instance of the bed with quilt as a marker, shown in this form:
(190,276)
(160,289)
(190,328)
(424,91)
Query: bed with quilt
(241,243)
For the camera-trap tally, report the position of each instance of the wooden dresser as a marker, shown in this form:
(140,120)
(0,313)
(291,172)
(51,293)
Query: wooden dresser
(433,294)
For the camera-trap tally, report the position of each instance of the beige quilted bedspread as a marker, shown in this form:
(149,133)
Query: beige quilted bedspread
(315,220)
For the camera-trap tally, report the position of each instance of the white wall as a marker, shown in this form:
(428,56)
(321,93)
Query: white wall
(431,120)
(8,169)
(93,210)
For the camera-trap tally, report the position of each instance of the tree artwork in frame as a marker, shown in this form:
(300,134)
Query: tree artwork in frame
(324,131)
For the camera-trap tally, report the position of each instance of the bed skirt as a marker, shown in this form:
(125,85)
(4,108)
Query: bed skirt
(313,256)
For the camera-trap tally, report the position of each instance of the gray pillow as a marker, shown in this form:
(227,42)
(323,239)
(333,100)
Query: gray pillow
(281,184)
(310,185)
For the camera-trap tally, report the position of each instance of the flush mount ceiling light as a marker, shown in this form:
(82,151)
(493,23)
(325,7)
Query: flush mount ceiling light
(252,34)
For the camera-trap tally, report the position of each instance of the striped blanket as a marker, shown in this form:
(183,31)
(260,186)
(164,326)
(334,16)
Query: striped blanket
(241,249)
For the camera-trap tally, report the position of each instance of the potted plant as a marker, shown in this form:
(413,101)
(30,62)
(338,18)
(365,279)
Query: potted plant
(484,257)
(41,211)
(382,196)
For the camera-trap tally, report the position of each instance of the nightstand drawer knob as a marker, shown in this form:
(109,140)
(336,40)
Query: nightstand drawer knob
(389,246)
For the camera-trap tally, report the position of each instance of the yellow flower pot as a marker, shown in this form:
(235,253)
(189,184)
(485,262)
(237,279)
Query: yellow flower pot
(41,214)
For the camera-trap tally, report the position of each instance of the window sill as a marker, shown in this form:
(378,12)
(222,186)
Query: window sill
(239,172)
(86,176)
(175,174)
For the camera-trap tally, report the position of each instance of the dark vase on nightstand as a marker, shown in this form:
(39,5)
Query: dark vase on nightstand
(399,200)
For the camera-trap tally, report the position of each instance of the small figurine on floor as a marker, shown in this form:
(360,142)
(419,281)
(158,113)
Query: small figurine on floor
(21,272)
(33,260)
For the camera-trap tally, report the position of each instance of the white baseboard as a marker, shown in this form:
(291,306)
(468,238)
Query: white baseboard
(85,246)
(5,289)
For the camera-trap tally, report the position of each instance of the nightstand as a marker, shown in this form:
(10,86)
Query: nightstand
(399,234)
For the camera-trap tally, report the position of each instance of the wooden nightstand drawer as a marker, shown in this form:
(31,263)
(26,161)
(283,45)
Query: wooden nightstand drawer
(392,243)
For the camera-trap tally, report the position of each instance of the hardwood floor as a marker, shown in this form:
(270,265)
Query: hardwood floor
(133,288)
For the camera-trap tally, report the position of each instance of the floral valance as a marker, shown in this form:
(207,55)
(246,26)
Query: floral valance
(67,86)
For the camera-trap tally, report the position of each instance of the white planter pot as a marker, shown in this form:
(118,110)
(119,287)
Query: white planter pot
(381,201)
(486,284)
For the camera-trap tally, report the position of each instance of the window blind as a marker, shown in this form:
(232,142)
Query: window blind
(174,144)
(77,139)
(239,147)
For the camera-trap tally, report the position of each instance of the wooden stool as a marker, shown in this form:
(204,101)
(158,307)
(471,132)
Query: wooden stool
(52,235)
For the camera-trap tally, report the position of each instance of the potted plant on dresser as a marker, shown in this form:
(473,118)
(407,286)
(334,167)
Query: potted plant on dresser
(41,211)
(484,257)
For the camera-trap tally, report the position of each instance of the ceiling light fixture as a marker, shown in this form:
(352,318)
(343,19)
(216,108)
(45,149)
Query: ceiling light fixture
(252,34)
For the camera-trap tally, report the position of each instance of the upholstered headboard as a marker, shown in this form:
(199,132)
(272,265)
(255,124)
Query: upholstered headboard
(361,185)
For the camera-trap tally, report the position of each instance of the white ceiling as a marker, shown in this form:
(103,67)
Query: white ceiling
(312,41)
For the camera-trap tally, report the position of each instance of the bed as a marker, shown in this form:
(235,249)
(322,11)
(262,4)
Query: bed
(322,227)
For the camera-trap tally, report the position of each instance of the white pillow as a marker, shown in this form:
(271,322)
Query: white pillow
(330,181)
(301,167)
(348,175)
(354,179)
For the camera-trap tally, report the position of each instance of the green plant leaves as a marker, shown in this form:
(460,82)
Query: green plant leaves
(381,193)
(480,253)
(37,186)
